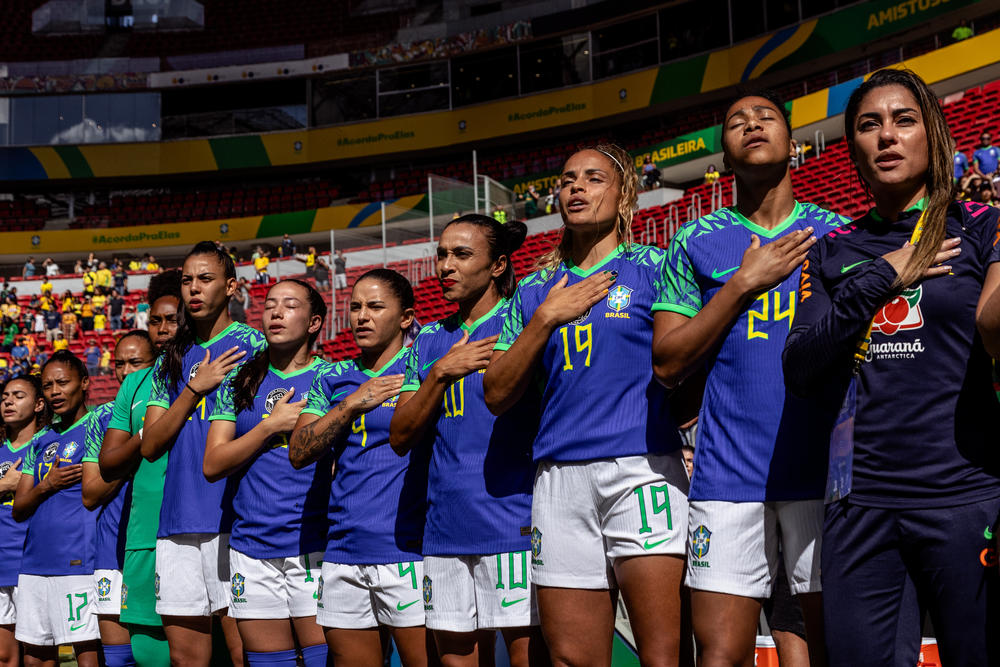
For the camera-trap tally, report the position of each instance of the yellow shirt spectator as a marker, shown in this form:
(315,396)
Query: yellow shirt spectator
(310,260)
(98,301)
(46,303)
(60,344)
(89,278)
(105,361)
(712,176)
(86,310)
(46,286)
(69,305)
(100,322)
(260,264)
(103,277)
(152,266)
(134,265)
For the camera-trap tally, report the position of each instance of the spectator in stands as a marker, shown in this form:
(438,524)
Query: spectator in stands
(89,281)
(78,267)
(121,277)
(51,268)
(499,214)
(650,174)
(128,318)
(340,271)
(104,277)
(87,314)
(309,259)
(260,261)
(961,165)
(69,324)
(29,268)
(92,262)
(99,299)
(92,356)
(986,158)
(100,319)
(115,305)
(60,343)
(52,321)
(287,248)
(322,274)
(963,31)
(19,353)
(240,302)
(68,303)
(10,331)
(550,202)
(711,174)
(531,202)
(105,365)
(151,265)
(38,326)
(142,316)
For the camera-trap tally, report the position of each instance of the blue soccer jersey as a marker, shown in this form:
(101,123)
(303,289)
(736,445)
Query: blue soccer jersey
(110,541)
(600,399)
(481,472)
(377,499)
(755,443)
(61,533)
(280,511)
(986,159)
(11,532)
(190,503)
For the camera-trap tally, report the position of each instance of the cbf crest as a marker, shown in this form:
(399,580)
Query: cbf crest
(238,585)
(701,540)
(272,399)
(428,592)
(103,588)
(70,449)
(619,298)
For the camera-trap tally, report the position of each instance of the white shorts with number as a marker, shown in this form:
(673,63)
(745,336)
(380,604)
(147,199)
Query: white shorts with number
(108,584)
(466,593)
(192,574)
(273,587)
(366,596)
(8,602)
(587,514)
(55,610)
(733,547)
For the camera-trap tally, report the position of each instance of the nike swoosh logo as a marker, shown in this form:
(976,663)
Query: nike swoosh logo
(647,545)
(988,534)
(338,395)
(74,628)
(504,603)
(400,606)
(137,403)
(429,364)
(716,274)
(845,269)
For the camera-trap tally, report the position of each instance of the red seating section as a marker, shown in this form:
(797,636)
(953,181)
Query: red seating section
(22,215)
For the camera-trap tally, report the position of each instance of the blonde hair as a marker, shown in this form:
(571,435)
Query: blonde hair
(628,196)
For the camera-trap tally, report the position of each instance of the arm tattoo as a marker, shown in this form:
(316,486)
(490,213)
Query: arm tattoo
(308,446)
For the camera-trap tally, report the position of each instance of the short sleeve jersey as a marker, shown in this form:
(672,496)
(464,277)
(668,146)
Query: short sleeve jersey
(127,414)
(961,164)
(61,533)
(11,532)
(987,159)
(755,442)
(481,471)
(191,504)
(925,424)
(280,511)
(377,498)
(600,399)
(110,540)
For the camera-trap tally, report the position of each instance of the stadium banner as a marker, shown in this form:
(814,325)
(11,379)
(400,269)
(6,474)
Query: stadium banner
(686,147)
(188,233)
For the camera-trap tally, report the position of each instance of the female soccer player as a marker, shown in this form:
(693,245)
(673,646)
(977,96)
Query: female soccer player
(279,532)
(372,567)
(120,459)
(609,504)
(133,352)
(887,314)
(477,533)
(56,586)
(24,414)
(196,516)
(729,297)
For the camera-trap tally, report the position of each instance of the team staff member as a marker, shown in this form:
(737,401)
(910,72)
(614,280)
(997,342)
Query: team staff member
(372,567)
(477,534)
(279,531)
(609,504)
(56,585)
(24,414)
(120,458)
(917,494)
(196,516)
(729,297)
(133,352)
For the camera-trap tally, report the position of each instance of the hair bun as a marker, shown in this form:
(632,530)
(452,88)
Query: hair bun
(514,232)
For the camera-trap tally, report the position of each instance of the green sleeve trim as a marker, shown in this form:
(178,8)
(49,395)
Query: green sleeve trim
(222,417)
(313,411)
(503,347)
(409,387)
(158,404)
(88,459)
(674,308)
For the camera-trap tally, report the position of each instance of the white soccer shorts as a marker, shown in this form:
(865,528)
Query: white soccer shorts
(587,514)
(192,574)
(273,587)
(733,547)
(466,593)
(8,605)
(108,584)
(55,610)
(366,596)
